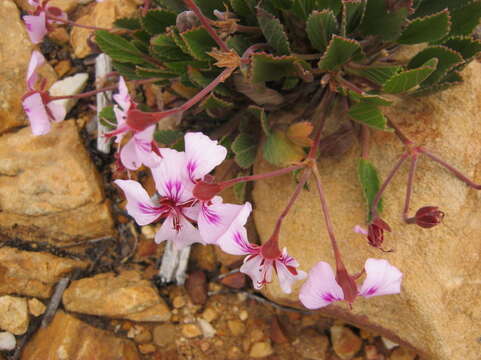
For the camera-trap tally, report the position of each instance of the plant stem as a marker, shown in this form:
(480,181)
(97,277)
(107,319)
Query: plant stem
(409,188)
(405,140)
(274,173)
(70,22)
(452,169)
(324,108)
(206,23)
(350,85)
(386,183)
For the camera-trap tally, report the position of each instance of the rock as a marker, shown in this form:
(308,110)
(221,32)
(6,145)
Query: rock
(203,256)
(125,296)
(7,341)
(103,15)
(277,332)
(441,296)
(62,67)
(65,202)
(388,343)
(236,327)
(69,338)
(191,330)
(32,273)
(196,286)
(13,314)
(345,343)
(147,348)
(311,345)
(209,314)
(236,280)
(208,330)
(35,307)
(260,350)
(143,336)
(164,334)
(402,353)
(178,302)
(71,85)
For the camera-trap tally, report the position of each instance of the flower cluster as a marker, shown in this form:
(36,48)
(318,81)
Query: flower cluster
(40,21)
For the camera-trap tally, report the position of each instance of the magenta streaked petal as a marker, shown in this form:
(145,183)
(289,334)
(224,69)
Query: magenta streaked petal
(320,288)
(139,205)
(382,278)
(57,111)
(129,156)
(186,235)
(122,98)
(37,114)
(287,272)
(218,220)
(202,154)
(258,269)
(36,60)
(36,27)
(237,243)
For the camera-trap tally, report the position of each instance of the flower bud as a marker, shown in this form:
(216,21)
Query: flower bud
(375,232)
(186,20)
(428,216)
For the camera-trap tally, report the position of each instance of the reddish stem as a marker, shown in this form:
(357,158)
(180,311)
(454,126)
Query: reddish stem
(452,169)
(70,22)
(409,188)
(324,111)
(405,140)
(227,183)
(206,23)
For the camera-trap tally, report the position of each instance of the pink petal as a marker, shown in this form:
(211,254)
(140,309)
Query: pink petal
(382,278)
(360,230)
(122,98)
(187,234)
(36,60)
(237,243)
(57,111)
(258,269)
(171,179)
(203,154)
(320,288)
(36,27)
(143,140)
(287,272)
(37,114)
(218,220)
(129,156)
(139,205)
(34,2)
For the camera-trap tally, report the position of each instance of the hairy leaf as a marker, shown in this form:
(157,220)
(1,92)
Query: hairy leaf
(107,117)
(245,150)
(370,184)
(378,73)
(155,21)
(381,22)
(320,27)
(334,5)
(368,114)
(128,23)
(466,46)
(260,114)
(426,29)
(465,18)
(199,43)
(302,8)
(352,15)
(280,151)
(168,137)
(164,48)
(339,51)
(118,48)
(408,79)
(428,7)
(369,98)
(266,67)
(273,31)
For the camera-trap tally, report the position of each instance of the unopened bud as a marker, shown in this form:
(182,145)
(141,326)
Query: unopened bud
(375,232)
(205,191)
(186,20)
(427,217)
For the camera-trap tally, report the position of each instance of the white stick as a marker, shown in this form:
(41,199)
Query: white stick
(103,66)
(174,264)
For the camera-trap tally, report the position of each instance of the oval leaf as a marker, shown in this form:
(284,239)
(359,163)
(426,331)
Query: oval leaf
(320,27)
(426,29)
(280,151)
(273,31)
(408,79)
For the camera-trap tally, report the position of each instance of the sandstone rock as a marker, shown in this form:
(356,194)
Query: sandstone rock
(14,68)
(311,345)
(49,187)
(7,341)
(13,314)
(147,348)
(32,273)
(441,296)
(345,343)
(71,85)
(69,338)
(35,307)
(401,353)
(191,330)
(102,15)
(164,335)
(125,296)
(208,331)
(261,350)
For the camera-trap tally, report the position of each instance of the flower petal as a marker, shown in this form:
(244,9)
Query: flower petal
(129,156)
(122,98)
(360,230)
(139,205)
(187,234)
(203,154)
(36,27)
(237,244)
(36,60)
(287,272)
(382,278)
(37,114)
(258,269)
(57,111)
(217,219)
(320,288)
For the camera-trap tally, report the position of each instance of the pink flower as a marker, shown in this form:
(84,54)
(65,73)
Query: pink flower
(321,287)
(262,261)
(38,23)
(40,111)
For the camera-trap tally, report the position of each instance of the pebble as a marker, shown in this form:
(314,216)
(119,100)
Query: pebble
(236,327)
(13,314)
(7,341)
(234,353)
(196,286)
(143,337)
(311,345)
(401,353)
(147,348)
(71,85)
(35,307)
(388,343)
(243,315)
(344,342)
(207,329)
(148,231)
(191,330)
(178,302)
(256,335)
(261,349)
(209,314)
(164,334)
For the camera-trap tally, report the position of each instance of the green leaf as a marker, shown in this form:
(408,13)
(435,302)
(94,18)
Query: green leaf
(241,8)
(168,137)
(172,5)
(215,106)
(381,22)
(426,29)
(107,117)
(368,114)
(239,43)
(266,67)
(290,83)
(302,8)
(370,184)
(369,98)
(466,46)
(273,31)
(126,70)
(428,7)
(208,7)
(165,49)
(200,79)
(334,5)
(156,21)
(280,151)
(339,51)
(377,73)
(199,43)
(465,19)
(352,15)
(240,191)
(320,27)
(448,59)
(408,79)
(128,23)
(245,150)
(118,48)
(260,114)
(149,72)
